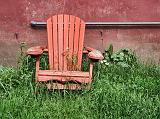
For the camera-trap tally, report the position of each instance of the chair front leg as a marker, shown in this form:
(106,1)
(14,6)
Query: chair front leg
(37,67)
(90,70)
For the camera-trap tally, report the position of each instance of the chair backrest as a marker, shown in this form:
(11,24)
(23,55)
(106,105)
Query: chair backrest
(65,42)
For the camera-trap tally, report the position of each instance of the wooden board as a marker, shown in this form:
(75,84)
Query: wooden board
(65,42)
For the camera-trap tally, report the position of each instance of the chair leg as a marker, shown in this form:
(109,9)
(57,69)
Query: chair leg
(90,70)
(36,76)
(37,67)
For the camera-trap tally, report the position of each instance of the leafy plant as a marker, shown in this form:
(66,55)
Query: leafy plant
(123,57)
(117,92)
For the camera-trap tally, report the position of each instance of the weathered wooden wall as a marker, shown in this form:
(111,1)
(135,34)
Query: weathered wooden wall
(15,16)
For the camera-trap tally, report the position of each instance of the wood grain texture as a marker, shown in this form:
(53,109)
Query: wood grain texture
(65,42)
(81,42)
(55,43)
(66,36)
(50,42)
(65,47)
(60,41)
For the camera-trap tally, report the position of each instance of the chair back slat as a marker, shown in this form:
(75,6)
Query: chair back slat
(66,36)
(70,40)
(76,43)
(60,42)
(50,43)
(54,57)
(81,42)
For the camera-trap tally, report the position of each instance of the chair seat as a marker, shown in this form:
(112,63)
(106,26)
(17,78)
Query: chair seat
(64,76)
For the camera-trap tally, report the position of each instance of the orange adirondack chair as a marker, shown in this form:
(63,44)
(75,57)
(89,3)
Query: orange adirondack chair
(65,49)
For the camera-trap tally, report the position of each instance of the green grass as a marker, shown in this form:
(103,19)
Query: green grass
(117,92)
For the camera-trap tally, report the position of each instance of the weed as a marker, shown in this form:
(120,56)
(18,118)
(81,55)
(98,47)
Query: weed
(123,57)
(117,92)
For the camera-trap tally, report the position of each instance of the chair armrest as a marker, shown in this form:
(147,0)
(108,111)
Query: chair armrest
(45,50)
(89,48)
(85,52)
(95,55)
(35,51)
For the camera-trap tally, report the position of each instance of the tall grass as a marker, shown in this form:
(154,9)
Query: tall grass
(117,92)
